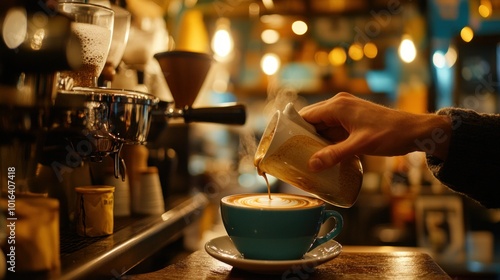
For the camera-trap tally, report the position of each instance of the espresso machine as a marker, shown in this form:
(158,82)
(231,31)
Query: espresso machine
(113,117)
(92,123)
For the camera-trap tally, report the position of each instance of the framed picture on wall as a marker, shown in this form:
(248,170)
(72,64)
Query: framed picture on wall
(440,226)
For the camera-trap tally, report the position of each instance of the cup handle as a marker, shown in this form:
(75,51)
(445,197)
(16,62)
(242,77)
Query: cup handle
(339,223)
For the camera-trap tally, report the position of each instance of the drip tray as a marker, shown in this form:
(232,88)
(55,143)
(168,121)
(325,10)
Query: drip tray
(72,242)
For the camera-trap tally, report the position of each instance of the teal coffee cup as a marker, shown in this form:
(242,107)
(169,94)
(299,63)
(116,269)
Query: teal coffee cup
(284,227)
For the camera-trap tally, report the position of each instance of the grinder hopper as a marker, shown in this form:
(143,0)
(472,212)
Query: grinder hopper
(185,72)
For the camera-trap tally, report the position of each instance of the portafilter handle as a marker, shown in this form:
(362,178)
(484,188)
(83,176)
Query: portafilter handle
(230,114)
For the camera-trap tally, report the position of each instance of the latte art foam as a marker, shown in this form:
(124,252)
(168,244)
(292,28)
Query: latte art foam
(277,201)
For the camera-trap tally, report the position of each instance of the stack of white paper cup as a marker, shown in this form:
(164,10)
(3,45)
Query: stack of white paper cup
(149,196)
(121,203)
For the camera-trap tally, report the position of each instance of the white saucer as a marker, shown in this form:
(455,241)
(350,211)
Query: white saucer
(222,248)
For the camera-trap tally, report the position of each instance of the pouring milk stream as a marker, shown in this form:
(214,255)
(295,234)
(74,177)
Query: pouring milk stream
(284,151)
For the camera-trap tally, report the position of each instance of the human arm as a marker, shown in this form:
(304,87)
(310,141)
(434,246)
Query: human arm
(462,146)
(360,127)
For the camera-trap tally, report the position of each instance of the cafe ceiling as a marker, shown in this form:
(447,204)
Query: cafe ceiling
(304,8)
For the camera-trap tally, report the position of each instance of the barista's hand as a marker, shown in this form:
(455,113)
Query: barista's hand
(360,127)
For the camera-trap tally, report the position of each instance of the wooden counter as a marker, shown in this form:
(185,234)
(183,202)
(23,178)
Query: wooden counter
(348,265)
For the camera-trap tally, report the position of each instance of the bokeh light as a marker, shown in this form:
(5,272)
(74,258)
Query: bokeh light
(270,36)
(270,63)
(337,56)
(299,27)
(467,34)
(370,50)
(407,50)
(356,52)
(321,58)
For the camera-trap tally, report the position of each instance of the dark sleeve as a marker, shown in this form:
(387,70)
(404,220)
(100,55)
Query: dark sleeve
(472,166)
